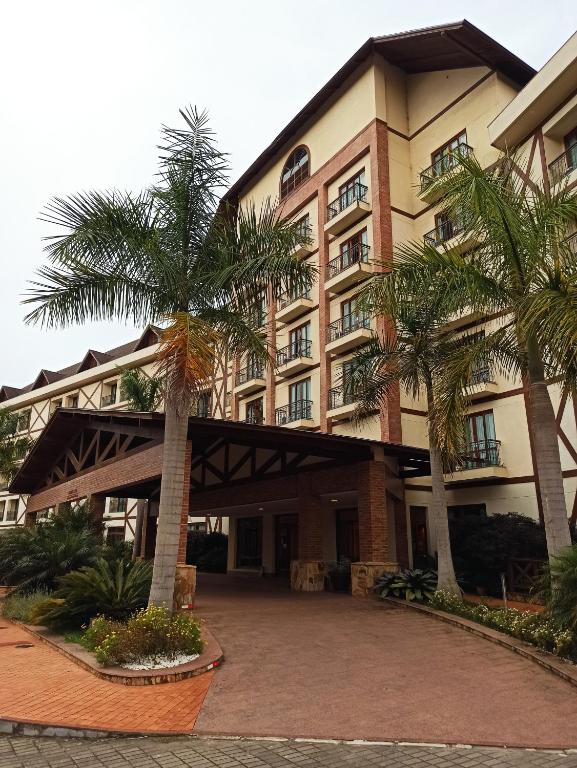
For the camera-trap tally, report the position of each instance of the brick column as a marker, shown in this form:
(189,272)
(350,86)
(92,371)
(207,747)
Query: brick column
(185,506)
(373,508)
(324,308)
(308,572)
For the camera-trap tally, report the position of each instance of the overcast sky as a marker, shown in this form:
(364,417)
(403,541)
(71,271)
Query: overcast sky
(86,85)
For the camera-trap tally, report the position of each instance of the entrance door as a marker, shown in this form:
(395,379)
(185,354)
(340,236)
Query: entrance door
(286,542)
(347,521)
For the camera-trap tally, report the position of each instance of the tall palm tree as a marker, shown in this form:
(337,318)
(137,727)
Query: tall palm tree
(143,393)
(410,354)
(13,448)
(170,255)
(515,271)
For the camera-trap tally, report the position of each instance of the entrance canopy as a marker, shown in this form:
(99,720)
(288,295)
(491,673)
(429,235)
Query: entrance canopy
(119,453)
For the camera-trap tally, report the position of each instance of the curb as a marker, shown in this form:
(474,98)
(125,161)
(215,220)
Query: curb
(563,669)
(210,658)
(10,727)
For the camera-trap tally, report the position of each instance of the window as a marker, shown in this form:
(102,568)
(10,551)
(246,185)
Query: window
(72,401)
(300,334)
(197,527)
(114,535)
(203,406)
(482,447)
(12,510)
(347,370)
(255,411)
(442,158)
(117,506)
(23,420)
(109,391)
(570,142)
(354,249)
(296,170)
(350,189)
(249,542)
(298,393)
(303,227)
(54,405)
(2,508)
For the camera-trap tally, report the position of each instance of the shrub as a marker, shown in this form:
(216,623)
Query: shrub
(562,588)
(36,557)
(538,629)
(482,547)
(208,551)
(152,633)
(19,605)
(411,584)
(114,590)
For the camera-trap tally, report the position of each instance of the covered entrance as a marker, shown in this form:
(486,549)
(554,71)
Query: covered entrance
(296,501)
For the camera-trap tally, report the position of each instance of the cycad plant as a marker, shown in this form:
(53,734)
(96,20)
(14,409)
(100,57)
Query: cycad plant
(411,353)
(170,255)
(13,448)
(522,271)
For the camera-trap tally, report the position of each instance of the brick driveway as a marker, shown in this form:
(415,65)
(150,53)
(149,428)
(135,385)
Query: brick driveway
(332,666)
(24,752)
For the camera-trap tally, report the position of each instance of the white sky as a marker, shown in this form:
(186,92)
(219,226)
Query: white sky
(86,85)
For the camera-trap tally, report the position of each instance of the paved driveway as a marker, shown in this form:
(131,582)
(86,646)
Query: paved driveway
(332,666)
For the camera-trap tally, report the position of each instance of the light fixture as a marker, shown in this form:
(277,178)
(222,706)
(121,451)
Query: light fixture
(334,501)
(260,509)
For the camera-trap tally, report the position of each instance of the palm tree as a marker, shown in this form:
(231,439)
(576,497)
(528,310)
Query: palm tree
(410,354)
(520,271)
(12,447)
(142,392)
(170,255)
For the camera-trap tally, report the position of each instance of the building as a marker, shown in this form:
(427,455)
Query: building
(353,167)
(92,383)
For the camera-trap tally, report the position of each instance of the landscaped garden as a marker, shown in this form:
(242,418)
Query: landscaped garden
(65,578)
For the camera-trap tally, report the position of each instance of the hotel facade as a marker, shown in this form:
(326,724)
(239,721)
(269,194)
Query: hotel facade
(354,169)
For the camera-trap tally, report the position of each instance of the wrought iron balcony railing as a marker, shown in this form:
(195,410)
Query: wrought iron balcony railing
(481,375)
(347,324)
(356,191)
(289,297)
(564,164)
(299,409)
(248,373)
(294,350)
(254,418)
(339,396)
(443,233)
(202,408)
(480,454)
(443,165)
(354,254)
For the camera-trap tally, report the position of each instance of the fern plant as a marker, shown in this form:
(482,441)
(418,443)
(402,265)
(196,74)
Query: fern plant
(412,584)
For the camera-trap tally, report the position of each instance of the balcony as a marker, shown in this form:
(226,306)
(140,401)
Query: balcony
(349,268)
(564,167)
(295,357)
(293,304)
(347,209)
(254,418)
(482,383)
(348,332)
(438,169)
(451,236)
(298,415)
(249,379)
(480,461)
(341,403)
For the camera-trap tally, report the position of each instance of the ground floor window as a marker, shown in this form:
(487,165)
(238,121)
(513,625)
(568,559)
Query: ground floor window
(347,524)
(114,535)
(249,542)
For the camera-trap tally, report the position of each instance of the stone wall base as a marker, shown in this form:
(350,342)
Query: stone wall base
(364,575)
(184,588)
(308,575)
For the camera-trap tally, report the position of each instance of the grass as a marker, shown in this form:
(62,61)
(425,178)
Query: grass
(19,605)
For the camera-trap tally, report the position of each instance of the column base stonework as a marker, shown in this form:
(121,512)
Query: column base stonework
(184,588)
(308,575)
(364,575)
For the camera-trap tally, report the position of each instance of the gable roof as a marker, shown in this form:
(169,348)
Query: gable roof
(446,46)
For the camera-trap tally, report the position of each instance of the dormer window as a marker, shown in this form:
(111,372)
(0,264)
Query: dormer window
(296,170)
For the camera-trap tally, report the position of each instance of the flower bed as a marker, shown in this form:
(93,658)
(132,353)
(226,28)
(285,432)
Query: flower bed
(535,628)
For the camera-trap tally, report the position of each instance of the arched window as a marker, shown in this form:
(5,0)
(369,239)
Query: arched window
(295,171)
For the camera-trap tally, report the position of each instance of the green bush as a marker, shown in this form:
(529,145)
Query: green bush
(208,551)
(561,591)
(151,634)
(482,546)
(19,605)
(35,557)
(411,584)
(111,589)
(539,629)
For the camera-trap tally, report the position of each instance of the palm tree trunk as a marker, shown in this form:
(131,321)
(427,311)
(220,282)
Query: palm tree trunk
(547,457)
(169,513)
(445,569)
(139,523)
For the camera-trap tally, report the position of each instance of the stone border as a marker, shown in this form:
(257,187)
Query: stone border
(564,669)
(211,657)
